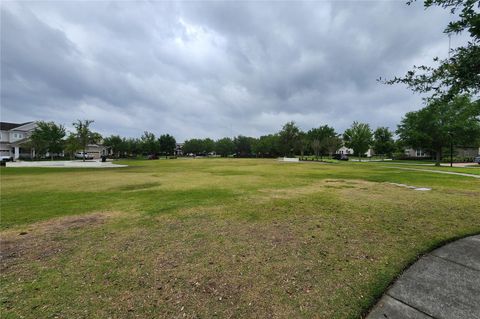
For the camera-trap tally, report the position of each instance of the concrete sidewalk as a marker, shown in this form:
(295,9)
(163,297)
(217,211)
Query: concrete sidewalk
(65,164)
(434,171)
(444,284)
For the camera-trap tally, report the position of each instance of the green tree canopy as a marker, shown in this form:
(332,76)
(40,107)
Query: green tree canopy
(133,146)
(115,143)
(460,73)
(243,145)
(225,146)
(48,137)
(441,123)
(318,138)
(289,137)
(167,144)
(383,142)
(193,146)
(332,144)
(149,143)
(358,137)
(267,146)
(84,135)
(208,145)
(72,144)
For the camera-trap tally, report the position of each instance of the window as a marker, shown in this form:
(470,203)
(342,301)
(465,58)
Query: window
(419,153)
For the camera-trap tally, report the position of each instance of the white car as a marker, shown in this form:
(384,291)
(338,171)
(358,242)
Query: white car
(6,158)
(82,155)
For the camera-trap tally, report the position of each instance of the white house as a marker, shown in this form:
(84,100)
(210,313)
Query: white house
(417,152)
(349,151)
(14,138)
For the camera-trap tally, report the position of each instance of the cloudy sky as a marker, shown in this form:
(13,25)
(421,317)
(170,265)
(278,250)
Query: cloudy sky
(213,69)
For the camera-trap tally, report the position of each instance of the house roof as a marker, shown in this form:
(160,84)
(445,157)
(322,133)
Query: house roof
(6,126)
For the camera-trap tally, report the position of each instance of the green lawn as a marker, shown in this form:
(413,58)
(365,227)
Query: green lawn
(222,238)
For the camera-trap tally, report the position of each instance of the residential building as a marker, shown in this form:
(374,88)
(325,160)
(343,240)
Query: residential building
(14,139)
(179,149)
(417,152)
(349,151)
(97,150)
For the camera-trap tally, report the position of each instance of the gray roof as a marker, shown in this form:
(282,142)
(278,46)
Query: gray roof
(6,126)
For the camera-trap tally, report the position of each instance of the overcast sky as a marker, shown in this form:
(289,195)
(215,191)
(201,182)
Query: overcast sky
(213,69)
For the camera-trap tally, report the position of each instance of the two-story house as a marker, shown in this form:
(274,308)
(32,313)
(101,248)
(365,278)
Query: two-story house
(14,138)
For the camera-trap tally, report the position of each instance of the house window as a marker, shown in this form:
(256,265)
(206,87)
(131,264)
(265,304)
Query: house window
(419,153)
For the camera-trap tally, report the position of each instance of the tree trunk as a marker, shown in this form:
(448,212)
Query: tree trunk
(438,157)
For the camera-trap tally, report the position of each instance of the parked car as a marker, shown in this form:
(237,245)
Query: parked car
(6,159)
(340,157)
(82,155)
(477,160)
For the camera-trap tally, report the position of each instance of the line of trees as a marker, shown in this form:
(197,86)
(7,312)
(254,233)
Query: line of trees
(53,139)
(291,141)
(147,144)
(441,124)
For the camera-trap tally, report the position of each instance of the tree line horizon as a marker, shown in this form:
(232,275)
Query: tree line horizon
(432,129)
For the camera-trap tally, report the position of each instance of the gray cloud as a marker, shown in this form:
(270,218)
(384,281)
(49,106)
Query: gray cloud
(213,69)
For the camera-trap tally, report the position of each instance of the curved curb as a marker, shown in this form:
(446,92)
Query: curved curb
(444,284)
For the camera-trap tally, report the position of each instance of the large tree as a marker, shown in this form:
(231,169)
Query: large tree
(48,137)
(167,144)
(133,146)
(193,146)
(72,145)
(441,124)
(383,143)
(115,143)
(316,147)
(84,135)
(460,73)
(243,145)
(224,147)
(266,146)
(150,145)
(359,138)
(318,138)
(332,144)
(289,137)
(208,145)
(302,144)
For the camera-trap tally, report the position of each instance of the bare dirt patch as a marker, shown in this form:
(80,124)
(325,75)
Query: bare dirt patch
(43,239)
(292,192)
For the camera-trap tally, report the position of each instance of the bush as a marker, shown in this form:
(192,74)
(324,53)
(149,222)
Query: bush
(457,159)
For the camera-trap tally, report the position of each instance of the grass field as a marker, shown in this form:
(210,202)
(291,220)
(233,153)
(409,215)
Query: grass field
(221,238)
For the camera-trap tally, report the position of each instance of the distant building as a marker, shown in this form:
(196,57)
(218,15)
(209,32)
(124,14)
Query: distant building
(179,149)
(96,150)
(417,152)
(15,142)
(15,138)
(462,152)
(348,151)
